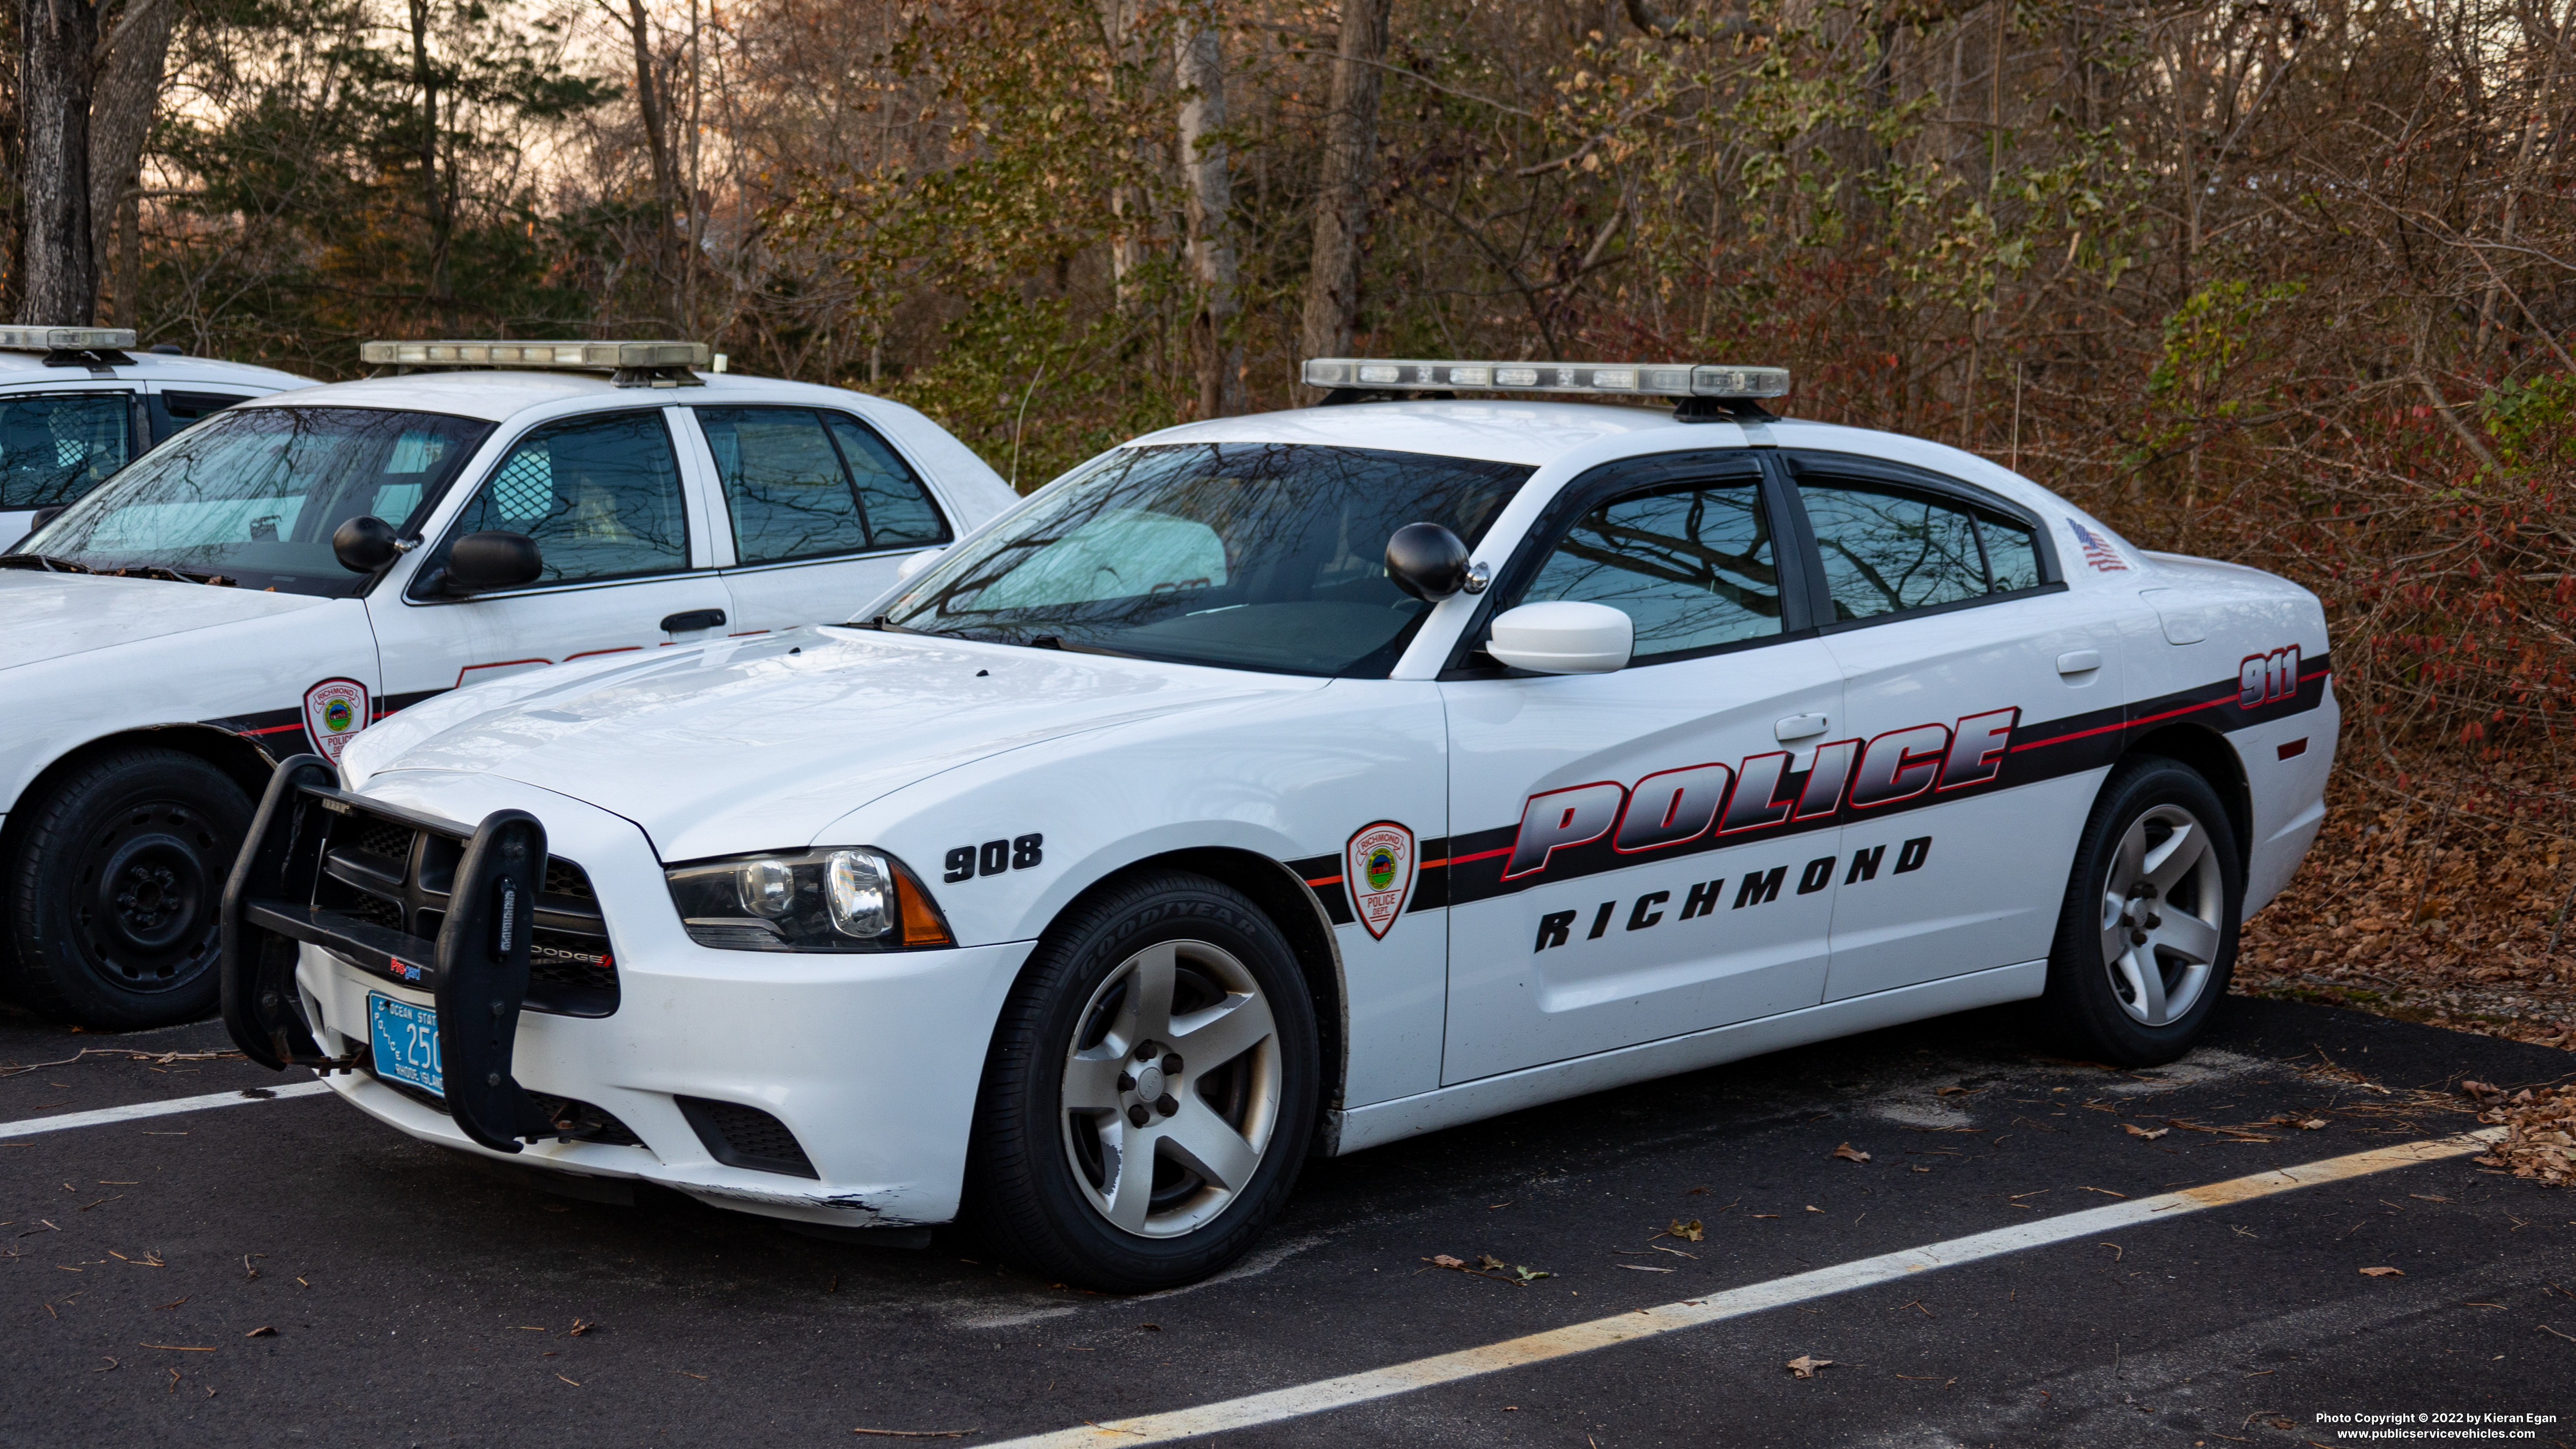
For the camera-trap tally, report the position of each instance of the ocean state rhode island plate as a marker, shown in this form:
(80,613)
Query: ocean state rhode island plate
(406,1043)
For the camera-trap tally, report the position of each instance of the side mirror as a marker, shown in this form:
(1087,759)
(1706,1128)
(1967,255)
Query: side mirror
(494,559)
(915,563)
(364,544)
(1564,636)
(1426,561)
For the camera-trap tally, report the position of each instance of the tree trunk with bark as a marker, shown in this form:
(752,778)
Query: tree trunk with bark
(437,197)
(121,108)
(1198,57)
(1126,201)
(1342,199)
(653,109)
(56,40)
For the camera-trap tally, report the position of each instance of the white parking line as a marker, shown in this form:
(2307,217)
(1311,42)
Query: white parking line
(136,1110)
(1423,1373)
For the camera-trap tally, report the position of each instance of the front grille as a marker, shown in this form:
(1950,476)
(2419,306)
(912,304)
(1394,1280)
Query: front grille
(740,1136)
(395,873)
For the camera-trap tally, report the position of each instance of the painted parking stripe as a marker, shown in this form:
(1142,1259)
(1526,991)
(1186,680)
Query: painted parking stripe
(105,1116)
(1423,1373)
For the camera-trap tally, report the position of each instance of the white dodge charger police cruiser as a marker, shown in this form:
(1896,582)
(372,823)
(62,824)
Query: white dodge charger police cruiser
(280,576)
(1297,783)
(76,404)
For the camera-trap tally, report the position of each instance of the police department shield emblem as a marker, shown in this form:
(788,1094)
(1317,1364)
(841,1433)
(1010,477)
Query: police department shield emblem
(334,711)
(1377,872)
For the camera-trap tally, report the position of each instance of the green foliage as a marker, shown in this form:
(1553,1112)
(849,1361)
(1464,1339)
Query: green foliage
(2529,420)
(2208,341)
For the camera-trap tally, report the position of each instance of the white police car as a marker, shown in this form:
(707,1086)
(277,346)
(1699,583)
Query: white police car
(1301,782)
(76,404)
(282,575)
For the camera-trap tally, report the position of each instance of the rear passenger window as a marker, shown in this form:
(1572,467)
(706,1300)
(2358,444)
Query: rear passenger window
(1692,566)
(803,484)
(900,513)
(2012,555)
(1886,552)
(173,411)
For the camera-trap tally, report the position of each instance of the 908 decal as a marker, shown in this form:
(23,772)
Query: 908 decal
(1019,852)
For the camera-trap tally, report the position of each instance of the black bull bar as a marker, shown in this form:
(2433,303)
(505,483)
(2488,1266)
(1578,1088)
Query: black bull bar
(477,968)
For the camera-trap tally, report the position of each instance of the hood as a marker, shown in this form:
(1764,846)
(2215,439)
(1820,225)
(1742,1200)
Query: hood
(45,616)
(757,744)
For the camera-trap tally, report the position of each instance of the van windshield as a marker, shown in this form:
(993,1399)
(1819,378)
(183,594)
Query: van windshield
(1268,556)
(252,496)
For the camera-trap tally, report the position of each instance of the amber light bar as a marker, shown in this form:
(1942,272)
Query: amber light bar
(590,355)
(1625,379)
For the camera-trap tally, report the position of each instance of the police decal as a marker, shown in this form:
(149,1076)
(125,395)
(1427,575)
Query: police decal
(334,711)
(1377,871)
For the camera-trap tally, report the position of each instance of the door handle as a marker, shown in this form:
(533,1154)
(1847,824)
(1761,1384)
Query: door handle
(1800,727)
(2079,661)
(693,619)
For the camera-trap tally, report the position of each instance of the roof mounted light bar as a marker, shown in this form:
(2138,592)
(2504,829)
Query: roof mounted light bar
(633,364)
(96,348)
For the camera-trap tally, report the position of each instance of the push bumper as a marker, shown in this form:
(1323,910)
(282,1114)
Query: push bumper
(867,1064)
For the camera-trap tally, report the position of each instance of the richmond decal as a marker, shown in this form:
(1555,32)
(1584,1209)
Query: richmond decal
(1377,870)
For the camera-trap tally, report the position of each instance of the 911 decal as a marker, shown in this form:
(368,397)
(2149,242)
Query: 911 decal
(2268,678)
(1020,852)
(1758,887)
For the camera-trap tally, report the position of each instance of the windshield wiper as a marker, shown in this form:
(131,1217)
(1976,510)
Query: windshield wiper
(168,575)
(44,561)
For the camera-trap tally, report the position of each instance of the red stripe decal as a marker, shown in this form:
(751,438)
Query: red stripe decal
(1325,881)
(1479,855)
(271,730)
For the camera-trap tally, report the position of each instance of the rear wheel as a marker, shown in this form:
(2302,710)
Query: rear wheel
(2146,941)
(1150,1091)
(115,883)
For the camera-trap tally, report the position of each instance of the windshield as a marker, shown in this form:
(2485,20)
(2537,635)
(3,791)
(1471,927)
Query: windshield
(252,496)
(1266,556)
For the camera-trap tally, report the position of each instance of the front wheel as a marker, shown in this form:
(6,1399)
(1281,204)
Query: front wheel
(2146,941)
(115,883)
(1150,1091)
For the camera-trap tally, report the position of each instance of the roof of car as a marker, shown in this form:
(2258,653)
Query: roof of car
(497,394)
(1503,431)
(25,367)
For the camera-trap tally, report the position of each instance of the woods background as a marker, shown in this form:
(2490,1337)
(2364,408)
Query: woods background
(2284,281)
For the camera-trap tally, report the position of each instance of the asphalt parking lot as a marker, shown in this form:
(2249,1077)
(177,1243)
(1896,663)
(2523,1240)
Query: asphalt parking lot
(412,1300)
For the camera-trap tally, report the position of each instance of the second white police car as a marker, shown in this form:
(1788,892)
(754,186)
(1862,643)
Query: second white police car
(277,578)
(1298,783)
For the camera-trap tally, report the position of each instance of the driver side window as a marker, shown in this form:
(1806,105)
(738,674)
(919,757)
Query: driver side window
(600,495)
(1693,565)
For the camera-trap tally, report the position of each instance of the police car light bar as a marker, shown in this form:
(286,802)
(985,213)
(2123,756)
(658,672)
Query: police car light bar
(593,356)
(66,339)
(1621,379)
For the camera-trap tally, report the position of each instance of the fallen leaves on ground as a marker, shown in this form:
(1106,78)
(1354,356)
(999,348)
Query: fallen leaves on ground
(2540,1131)
(1849,1153)
(1688,1231)
(1489,1266)
(2135,1130)
(1805,1367)
(581,1326)
(2383,1272)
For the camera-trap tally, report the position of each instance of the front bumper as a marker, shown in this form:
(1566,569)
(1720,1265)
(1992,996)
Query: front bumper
(870,1062)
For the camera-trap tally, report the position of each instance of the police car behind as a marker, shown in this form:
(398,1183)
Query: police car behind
(1302,780)
(76,404)
(289,571)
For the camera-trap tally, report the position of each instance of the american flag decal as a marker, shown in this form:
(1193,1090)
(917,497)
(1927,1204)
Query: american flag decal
(2097,550)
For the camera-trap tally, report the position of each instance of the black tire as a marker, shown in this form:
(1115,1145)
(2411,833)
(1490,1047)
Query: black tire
(115,881)
(2094,1007)
(1042,1181)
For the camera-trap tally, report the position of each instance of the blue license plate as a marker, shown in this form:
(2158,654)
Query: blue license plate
(407,1043)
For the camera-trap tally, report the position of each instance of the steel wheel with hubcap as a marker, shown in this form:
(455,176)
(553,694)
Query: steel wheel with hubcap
(2147,939)
(1151,1089)
(114,884)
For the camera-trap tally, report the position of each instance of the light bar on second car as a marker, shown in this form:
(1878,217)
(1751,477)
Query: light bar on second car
(66,339)
(1629,379)
(590,355)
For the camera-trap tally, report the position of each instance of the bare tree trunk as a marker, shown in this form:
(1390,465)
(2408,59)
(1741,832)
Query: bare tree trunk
(1342,200)
(435,196)
(1198,57)
(120,118)
(1126,202)
(652,108)
(56,39)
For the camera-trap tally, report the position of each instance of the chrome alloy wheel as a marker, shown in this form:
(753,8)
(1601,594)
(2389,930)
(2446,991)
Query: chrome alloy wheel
(1171,1088)
(2160,915)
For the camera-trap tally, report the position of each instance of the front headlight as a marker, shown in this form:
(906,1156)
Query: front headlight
(820,900)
